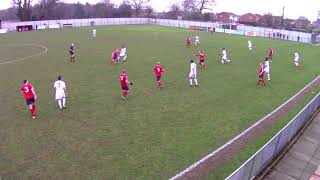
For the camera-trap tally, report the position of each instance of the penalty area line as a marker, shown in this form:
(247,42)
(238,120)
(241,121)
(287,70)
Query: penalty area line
(27,57)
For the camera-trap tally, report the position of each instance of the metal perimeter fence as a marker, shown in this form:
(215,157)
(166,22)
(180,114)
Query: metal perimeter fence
(218,26)
(254,165)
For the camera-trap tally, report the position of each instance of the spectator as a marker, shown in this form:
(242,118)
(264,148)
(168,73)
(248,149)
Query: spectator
(298,38)
(287,36)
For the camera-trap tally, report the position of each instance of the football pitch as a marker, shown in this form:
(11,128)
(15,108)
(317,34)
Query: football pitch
(155,133)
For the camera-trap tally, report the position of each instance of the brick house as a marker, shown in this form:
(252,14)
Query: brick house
(249,18)
(224,16)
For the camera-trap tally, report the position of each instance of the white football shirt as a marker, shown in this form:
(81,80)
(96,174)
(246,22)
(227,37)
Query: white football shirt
(59,86)
(267,65)
(193,68)
(224,54)
(296,56)
(123,51)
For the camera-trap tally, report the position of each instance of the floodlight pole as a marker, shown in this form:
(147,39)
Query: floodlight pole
(282,18)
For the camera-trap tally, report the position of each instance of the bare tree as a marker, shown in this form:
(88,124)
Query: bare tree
(197,6)
(124,10)
(138,6)
(174,12)
(269,20)
(23,9)
(46,9)
(204,5)
(189,5)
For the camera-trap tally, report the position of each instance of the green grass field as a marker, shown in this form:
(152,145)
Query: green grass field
(152,135)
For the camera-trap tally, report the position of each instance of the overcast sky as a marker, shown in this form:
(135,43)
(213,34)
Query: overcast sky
(293,8)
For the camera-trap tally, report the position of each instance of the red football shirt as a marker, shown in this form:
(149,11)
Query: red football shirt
(27,92)
(115,54)
(158,70)
(270,52)
(261,71)
(123,80)
(201,56)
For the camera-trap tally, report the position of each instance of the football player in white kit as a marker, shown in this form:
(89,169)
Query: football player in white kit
(123,53)
(61,92)
(250,45)
(224,56)
(296,59)
(197,40)
(94,32)
(193,74)
(267,68)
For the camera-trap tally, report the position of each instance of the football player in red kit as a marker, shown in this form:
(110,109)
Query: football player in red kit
(115,56)
(158,70)
(202,58)
(30,97)
(270,54)
(261,75)
(189,44)
(124,82)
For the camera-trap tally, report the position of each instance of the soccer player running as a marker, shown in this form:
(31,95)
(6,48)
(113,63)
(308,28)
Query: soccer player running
(249,45)
(123,54)
(94,32)
(197,40)
(124,82)
(270,54)
(193,74)
(296,59)
(60,92)
(267,68)
(115,56)
(202,63)
(224,58)
(72,53)
(261,75)
(30,97)
(158,70)
(189,43)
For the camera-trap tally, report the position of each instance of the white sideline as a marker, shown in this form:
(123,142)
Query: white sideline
(194,165)
(27,57)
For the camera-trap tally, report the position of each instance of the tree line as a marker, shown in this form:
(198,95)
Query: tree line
(23,10)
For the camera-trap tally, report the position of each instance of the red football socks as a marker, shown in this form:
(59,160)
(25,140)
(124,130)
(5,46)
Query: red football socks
(31,111)
(34,109)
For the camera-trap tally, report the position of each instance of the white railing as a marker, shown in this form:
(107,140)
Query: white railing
(254,165)
(241,29)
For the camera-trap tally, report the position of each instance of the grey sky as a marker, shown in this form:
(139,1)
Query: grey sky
(294,8)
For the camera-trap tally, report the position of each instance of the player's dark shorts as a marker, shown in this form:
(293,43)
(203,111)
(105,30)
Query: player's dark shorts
(115,57)
(260,77)
(158,78)
(201,61)
(30,101)
(125,88)
(71,53)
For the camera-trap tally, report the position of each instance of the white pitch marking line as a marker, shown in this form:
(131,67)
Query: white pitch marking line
(194,165)
(27,57)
